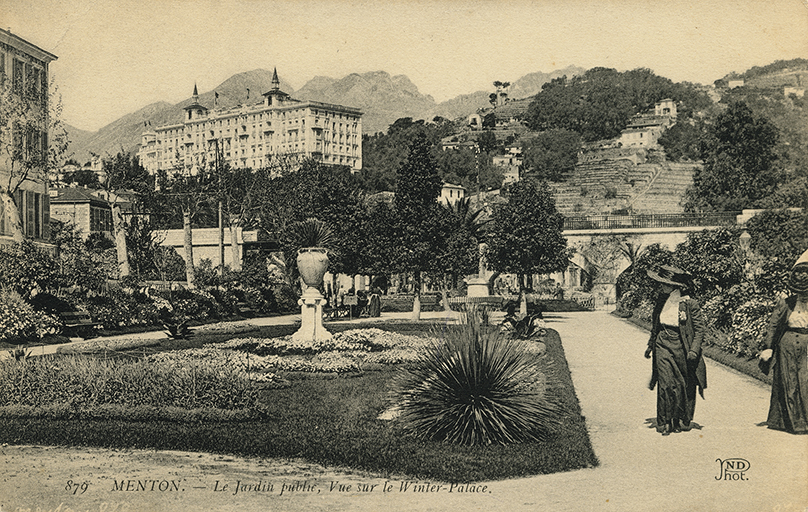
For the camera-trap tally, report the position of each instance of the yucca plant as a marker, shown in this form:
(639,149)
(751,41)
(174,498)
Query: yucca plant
(475,387)
(313,232)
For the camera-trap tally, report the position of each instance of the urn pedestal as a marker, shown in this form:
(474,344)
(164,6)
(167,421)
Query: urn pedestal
(312,264)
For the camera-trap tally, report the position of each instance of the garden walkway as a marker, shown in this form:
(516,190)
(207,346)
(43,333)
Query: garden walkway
(639,470)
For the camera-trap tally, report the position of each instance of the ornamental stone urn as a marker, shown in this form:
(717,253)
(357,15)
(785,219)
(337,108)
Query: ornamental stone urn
(312,262)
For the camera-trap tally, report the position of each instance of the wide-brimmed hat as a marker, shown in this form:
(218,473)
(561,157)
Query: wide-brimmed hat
(668,274)
(798,281)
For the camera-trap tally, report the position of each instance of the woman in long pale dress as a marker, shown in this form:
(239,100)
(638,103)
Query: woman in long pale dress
(786,341)
(675,345)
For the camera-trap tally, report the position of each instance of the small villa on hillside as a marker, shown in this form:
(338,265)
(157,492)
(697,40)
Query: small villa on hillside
(450,193)
(644,130)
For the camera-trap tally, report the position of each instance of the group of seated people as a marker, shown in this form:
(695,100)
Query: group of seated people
(354,306)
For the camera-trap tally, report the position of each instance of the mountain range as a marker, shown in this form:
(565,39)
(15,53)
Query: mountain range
(383,99)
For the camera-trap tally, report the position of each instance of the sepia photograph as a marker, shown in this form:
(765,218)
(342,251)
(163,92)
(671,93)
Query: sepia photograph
(357,255)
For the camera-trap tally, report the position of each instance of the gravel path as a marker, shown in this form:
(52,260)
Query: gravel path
(640,470)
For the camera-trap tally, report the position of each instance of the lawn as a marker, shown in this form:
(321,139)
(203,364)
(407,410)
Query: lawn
(332,419)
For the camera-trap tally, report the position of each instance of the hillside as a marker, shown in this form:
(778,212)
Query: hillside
(383,99)
(609,186)
(781,73)
(526,86)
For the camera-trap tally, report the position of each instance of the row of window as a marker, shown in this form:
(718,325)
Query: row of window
(29,143)
(257,118)
(26,78)
(34,211)
(100,219)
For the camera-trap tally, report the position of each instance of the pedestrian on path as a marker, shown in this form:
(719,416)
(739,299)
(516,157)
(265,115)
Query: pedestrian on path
(786,341)
(675,345)
(375,306)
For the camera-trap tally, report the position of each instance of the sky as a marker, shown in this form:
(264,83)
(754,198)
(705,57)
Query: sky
(117,56)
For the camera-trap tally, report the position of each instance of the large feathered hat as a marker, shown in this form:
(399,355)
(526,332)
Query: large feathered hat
(798,279)
(668,274)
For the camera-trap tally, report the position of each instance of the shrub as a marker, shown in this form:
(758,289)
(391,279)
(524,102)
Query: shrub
(475,388)
(111,310)
(749,326)
(226,300)
(78,265)
(713,257)
(285,298)
(644,311)
(50,303)
(719,309)
(19,322)
(192,304)
(25,267)
(254,299)
(634,284)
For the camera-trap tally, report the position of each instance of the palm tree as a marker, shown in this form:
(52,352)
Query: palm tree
(468,217)
(632,253)
(465,224)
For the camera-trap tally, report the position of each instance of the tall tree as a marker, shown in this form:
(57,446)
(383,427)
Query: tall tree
(525,237)
(32,138)
(185,192)
(417,212)
(739,162)
(550,154)
(123,173)
(316,190)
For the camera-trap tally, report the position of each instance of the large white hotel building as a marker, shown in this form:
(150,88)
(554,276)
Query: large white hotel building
(255,136)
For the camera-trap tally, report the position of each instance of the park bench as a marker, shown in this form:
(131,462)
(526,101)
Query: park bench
(79,322)
(337,312)
(245,310)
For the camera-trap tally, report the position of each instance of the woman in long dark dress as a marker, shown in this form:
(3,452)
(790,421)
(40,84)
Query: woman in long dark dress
(675,345)
(786,341)
(375,307)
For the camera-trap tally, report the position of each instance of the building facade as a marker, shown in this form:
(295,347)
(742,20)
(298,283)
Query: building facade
(644,130)
(280,128)
(451,193)
(24,141)
(80,207)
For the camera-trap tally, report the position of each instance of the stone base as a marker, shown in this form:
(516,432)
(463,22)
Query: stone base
(477,287)
(311,318)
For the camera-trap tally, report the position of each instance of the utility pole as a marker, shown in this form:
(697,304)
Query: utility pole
(477,167)
(221,211)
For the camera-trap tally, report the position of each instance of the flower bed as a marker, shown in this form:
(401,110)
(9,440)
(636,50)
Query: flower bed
(85,383)
(347,351)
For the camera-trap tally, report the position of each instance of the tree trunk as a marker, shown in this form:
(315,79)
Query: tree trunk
(188,243)
(13,219)
(120,241)
(416,301)
(522,296)
(236,257)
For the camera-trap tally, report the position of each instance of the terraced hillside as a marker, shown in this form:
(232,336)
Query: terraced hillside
(607,186)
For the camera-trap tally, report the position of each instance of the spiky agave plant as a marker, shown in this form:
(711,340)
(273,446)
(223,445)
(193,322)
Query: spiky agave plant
(475,387)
